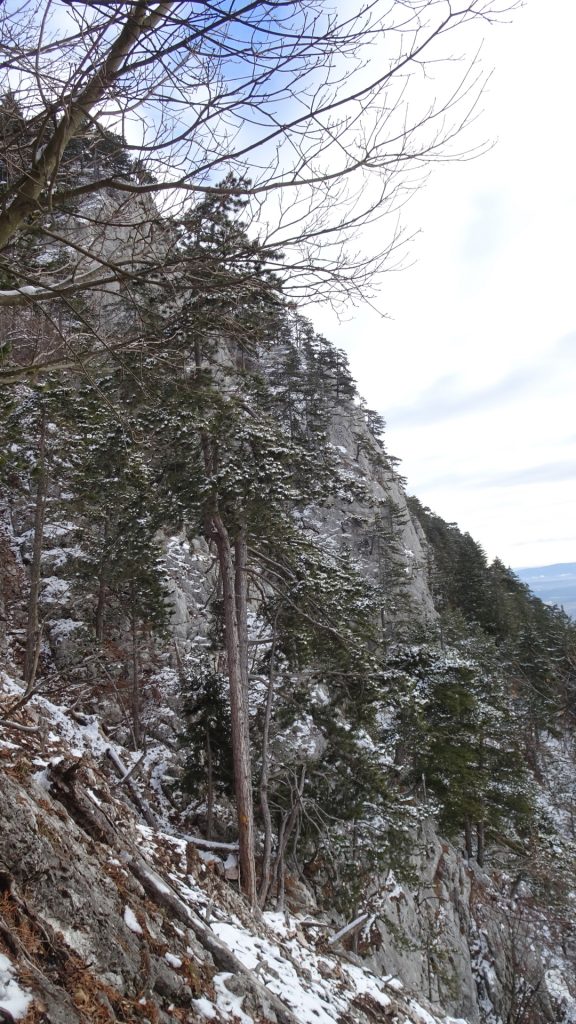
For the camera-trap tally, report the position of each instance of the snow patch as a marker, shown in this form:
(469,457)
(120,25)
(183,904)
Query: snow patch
(205,1008)
(14,999)
(131,922)
(227,1002)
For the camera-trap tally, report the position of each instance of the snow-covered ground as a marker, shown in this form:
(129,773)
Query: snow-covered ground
(287,955)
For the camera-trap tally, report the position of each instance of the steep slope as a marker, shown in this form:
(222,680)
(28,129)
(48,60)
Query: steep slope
(212,516)
(104,918)
(83,872)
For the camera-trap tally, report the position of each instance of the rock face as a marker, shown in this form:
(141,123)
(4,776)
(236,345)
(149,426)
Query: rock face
(389,541)
(425,930)
(117,915)
(113,228)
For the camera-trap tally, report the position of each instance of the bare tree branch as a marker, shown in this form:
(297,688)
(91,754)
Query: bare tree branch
(325,120)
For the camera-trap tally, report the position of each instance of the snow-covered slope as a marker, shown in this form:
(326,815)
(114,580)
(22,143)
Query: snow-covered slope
(105,918)
(110,912)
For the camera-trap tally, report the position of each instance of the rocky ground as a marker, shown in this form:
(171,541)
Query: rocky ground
(105,917)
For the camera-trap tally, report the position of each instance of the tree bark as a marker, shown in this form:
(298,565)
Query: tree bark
(101,601)
(100,606)
(33,628)
(288,823)
(210,788)
(266,876)
(241,596)
(136,728)
(239,712)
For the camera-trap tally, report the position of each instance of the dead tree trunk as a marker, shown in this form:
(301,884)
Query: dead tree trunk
(33,638)
(266,877)
(102,588)
(241,594)
(135,672)
(287,826)
(210,787)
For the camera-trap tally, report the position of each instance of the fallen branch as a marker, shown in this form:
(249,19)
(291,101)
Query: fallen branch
(130,771)
(142,804)
(19,725)
(348,928)
(211,844)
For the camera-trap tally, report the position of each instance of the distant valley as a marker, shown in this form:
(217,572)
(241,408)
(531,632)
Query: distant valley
(554,584)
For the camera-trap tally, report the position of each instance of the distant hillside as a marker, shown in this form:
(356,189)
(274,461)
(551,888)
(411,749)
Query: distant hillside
(554,584)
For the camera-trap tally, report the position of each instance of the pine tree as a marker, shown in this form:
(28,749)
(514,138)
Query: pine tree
(457,733)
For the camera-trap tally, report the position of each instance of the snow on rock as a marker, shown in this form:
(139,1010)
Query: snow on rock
(227,1001)
(301,742)
(55,590)
(561,996)
(13,998)
(277,956)
(318,989)
(420,1014)
(367,984)
(131,922)
(205,1008)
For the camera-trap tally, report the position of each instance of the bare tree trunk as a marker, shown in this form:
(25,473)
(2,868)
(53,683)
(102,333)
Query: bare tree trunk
(480,832)
(136,727)
(4,572)
(210,785)
(33,637)
(266,876)
(288,823)
(3,617)
(239,712)
(241,596)
(100,606)
(138,22)
(101,601)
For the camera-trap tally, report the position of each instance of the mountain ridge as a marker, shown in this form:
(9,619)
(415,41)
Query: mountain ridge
(555,584)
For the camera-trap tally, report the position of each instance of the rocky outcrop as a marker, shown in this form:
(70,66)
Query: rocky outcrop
(424,930)
(381,531)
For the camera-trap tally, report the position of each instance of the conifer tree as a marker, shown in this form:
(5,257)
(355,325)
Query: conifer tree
(457,731)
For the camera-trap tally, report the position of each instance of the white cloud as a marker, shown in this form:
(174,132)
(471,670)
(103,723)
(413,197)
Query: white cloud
(475,369)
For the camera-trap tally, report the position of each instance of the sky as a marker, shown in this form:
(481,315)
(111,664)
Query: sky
(474,365)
